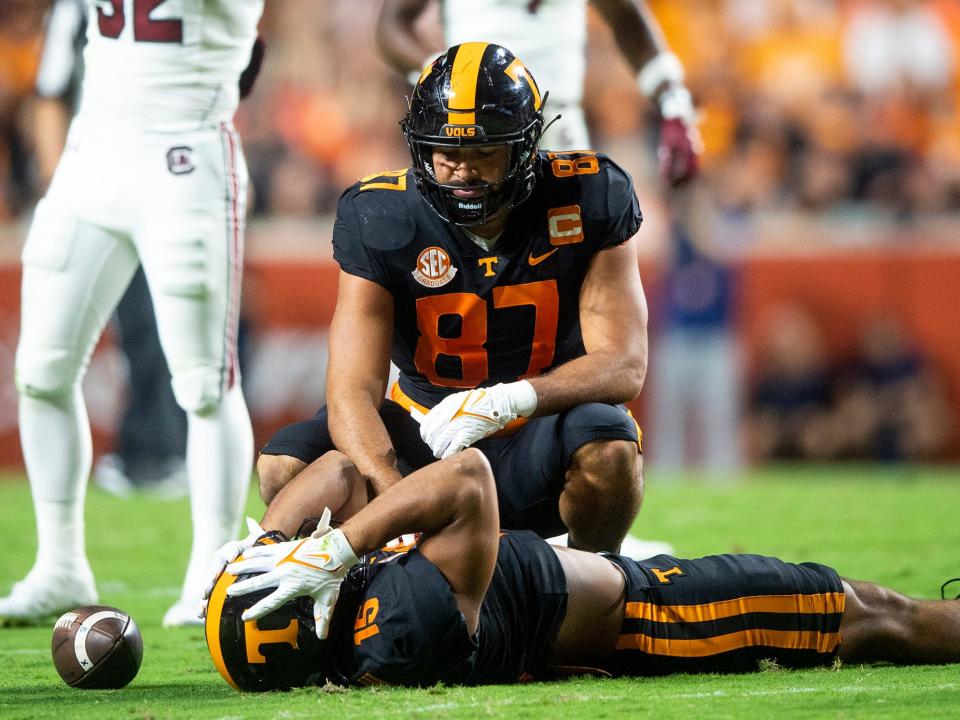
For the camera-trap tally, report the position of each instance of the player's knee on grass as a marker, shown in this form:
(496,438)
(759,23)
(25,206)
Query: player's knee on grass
(45,374)
(198,390)
(274,472)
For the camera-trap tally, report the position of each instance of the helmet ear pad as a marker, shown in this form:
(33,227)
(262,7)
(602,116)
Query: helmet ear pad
(502,107)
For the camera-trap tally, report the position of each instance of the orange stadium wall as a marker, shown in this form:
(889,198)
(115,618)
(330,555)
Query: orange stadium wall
(918,288)
(289,304)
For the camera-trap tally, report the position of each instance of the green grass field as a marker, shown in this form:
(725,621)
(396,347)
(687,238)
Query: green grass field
(898,527)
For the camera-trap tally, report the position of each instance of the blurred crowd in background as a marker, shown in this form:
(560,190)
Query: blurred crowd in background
(825,105)
(825,108)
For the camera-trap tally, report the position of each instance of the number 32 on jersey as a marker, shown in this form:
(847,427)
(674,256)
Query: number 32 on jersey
(148,25)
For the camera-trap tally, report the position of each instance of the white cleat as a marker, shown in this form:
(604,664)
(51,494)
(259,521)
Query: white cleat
(42,595)
(183,613)
(631,547)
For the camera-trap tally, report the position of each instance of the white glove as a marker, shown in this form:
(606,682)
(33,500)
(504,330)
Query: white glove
(228,553)
(314,566)
(459,420)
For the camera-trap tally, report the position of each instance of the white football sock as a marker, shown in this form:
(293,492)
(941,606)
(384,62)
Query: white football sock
(57,450)
(219,466)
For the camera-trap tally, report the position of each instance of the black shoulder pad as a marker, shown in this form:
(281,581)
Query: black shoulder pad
(381,207)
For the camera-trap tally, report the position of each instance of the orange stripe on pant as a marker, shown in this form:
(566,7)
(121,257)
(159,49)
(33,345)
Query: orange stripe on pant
(703,647)
(820,603)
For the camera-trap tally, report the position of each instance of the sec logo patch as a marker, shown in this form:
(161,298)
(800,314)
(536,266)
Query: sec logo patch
(434,268)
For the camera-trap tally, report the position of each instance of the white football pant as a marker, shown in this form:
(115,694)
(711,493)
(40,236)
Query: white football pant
(174,202)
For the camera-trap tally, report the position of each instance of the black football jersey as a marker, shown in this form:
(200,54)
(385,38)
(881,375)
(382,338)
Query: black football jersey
(409,630)
(466,317)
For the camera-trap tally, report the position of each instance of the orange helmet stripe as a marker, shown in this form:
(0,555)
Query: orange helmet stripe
(463,83)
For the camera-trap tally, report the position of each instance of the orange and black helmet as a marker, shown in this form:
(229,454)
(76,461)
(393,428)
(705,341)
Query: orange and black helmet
(277,652)
(475,94)
(281,650)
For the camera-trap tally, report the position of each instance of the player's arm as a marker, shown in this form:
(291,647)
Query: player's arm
(453,503)
(613,322)
(397,38)
(50,121)
(58,64)
(635,30)
(659,77)
(357,372)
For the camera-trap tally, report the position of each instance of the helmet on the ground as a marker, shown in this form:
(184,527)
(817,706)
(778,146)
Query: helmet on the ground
(475,94)
(281,650)
(277,652)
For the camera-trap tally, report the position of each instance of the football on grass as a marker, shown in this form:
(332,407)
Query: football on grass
(96,646)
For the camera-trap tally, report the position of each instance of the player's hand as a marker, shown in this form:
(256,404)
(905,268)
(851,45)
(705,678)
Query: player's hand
(680,142)
(461,419)
(230,552)
(314,566)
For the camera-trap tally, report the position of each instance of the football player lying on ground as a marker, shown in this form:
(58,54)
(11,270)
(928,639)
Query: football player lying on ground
(471,604)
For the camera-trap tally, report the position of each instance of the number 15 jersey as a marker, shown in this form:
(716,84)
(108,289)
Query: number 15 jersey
(466,317)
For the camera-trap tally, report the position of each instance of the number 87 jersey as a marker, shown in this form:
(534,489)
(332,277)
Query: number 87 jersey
(464,316)
(167,63)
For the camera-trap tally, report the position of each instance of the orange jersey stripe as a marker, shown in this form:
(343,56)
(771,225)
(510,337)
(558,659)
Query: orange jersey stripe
(404,400)
(703,647)
(820,603)
(408,403)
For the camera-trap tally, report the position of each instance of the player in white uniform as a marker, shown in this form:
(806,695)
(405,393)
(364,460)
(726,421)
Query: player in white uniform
(152,173)
(550,36)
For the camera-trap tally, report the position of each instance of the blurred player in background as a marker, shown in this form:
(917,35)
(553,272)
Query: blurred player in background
(550,36)
(504,285)
(152,436)
(152,173)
